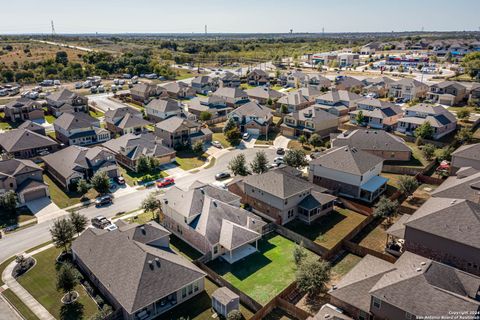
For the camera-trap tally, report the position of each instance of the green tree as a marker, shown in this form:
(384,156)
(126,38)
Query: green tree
(444,154)
(234,315)
(302,139)
(197,147)
(9,201)
(315,140)
(360,118)
(295,158)
(407,185)
(428,151)
(67,280)
(385,208)
(238,165)
(312,276)
(61,57)
(205,116)
(259,163)
(62,233)
(299,254)
(229,125)
(143,165)
(101,182)
(78,221)
(153,205)
(283,109)
(424,131)
(233,136)
(464,135)
(463,114)
(82,187)
(471,63)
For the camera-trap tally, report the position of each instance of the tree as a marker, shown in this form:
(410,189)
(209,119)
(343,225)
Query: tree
(61,57)
(283,109)
(205,116)
(62,233)
(234,315)
(302,139)
(464,135)
(428,151)
(143,165)
(82,187)
(78,221)
(299,254)
(229,125)
(9,201)
(66,280)
(444,154)
(238,165)
(471,63)
(101,182)
(463,114)
(360,118)
(312,276)
(233,136)
(295,158)
(407,185)
(424,131)
(259,163)
(152,204)
(315,140)
(385,207)
(198,147)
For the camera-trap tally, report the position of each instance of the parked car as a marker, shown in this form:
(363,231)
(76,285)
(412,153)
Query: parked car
(120,180)
(164,182)
(217,144)
(246,136)
(111,227)
(93,90)
(222,175)
(280,151)
(278,160)
(100,222)
(78,85)
(104,200)
(101,89)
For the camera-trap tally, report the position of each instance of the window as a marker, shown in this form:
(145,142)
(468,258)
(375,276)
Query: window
(195,286)
(190,289)
(184,292)
(215,250)
(377,303)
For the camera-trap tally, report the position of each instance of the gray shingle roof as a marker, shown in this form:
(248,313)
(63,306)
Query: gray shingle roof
(224,295)
(254,109)
(21,139)
(370,140)
(264,93)
(293,98)
(76,120)
(336,96)
(13,167)
(347,159)
(460,187)
(164,105)
(134,146)
(469,151)
(175,123)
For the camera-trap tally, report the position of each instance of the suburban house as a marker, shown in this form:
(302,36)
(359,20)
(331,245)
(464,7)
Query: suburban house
(71,164)
(330,311)
(125,120)
(142,92)
(413,287)
(442,120)
(295,79)
(349,172)
(252,118)
(204,84)
(139,258)
(282,195)
(177,132)
(464,185)
(26,144)
(161,109)
(24,177)
(293,101)
(349,84)
(338,102)
(33,126)
(449,93)
(79,128)
(215,106)
(378,142)
(233,96)
(258,77)
(475,93)
(316,81)
(310,93)
(309,121)
(23,109)
(377,114)
(230,80)
(407,89)
(466,156)
(65,100)
(130,147)
(377,86)
(264,94)
(179,90)
(371,48)
(210,220)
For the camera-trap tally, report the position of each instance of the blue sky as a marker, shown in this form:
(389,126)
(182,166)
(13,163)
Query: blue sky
(263,16)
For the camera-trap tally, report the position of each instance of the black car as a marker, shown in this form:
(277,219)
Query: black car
(222,175)
(101,201)
(280,151)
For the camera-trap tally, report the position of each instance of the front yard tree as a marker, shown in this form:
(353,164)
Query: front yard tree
(67,280)
(229,125)
(295,158)
(463,114)
(101,182)
(197,147)
(238,165)
(151,204)
(82,187)
(315,140)
(428,151)
(233,136)
(302,139)
(143,164)
(464,135)
(360,118)
(78,221)
(312,276)
(205,116)
(385,208)
(259,163)
(424,131)
(62,233)
(9,201)
(407,185)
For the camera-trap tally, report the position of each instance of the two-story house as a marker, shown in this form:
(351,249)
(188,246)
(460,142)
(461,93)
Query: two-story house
(179,90)
(293,101)
(142,92)
(211,220)
(33,126)
(204,84)
(442,120)
(65,100)
(449,93)
(316,81)
(338,102)
(230,80)
(252,118)
(264,94)
(377,114)
(407,89)
(26,144)
(125,120)
(258,77)
(161,109)
(157,278)
(177,132)
(466,156)
(23,109)
(25,178)
(233,96)
(377,86)
(349,84)
(80,129)
(71,164)
(349,172)
(215,106)
(280,195)
(309,121)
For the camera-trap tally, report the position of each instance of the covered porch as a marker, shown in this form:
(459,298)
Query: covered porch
(373,188)
(232,256)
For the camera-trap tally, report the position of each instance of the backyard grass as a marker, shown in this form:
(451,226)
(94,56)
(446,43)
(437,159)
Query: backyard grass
(49,118)
(188,160)
(220,137)
(5,125)
(328,230)
(344,265)
(417,154)
(374,236)
(95,113)
(19,305)
(263,274)
(246,86)
(40,282)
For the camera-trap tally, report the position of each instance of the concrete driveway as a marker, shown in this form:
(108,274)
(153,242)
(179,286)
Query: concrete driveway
(281,142)
(44,209)
(173,170)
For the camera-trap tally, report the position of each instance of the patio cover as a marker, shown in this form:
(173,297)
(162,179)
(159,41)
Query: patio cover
(374,184)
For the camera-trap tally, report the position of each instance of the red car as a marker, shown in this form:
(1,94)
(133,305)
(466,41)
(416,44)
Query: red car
(165,182)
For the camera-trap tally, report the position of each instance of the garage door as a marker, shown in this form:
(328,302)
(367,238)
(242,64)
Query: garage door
(35,194)
(253,131)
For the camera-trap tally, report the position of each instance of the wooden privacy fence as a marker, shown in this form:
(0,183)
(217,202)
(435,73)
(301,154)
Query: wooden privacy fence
(363,251)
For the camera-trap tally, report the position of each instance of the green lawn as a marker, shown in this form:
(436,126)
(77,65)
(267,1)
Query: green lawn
(345,264)
(133,178)
(187,160)
(184,74)
(262,139)
(58,196)
(40,282)
(142,218)
(263,274)
(5,125)
(246,86)
(374,236)
(220,137)
(294,144)
(328,230)
(49,118)
(96,113)
(22,214)
(21,307)
(277,87)
(417,153)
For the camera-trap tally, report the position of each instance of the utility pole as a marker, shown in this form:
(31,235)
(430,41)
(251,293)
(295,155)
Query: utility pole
(206,30)
(53,29)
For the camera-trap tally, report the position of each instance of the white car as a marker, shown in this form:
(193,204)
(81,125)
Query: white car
(278,160)
(246,136)
(217,144)
(111,227)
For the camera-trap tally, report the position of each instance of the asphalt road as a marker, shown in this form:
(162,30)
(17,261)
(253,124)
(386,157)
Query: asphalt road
(25,239)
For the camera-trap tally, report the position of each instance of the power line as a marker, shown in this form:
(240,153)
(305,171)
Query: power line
(53,30)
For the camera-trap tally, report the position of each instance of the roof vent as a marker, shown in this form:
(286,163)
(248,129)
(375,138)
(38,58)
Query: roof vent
(419,269)
(326,316)
(157,261)
(423,263)
(334,287)
(202,191)
(143,229)
(453,201)
(214,203)
(150,263)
